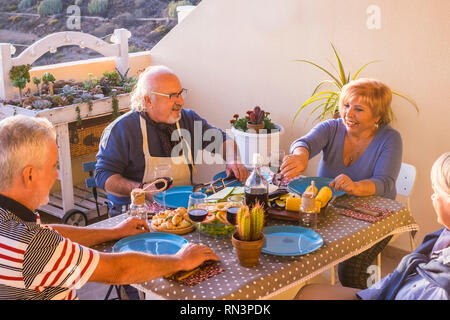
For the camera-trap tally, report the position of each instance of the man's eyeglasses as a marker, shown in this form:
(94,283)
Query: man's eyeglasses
(175,95)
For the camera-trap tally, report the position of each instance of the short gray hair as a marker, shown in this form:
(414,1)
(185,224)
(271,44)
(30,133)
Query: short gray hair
(440,173)
(143,86)
(23,142)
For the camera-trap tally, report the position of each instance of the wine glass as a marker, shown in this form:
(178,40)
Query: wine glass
(163,171)
(197,209)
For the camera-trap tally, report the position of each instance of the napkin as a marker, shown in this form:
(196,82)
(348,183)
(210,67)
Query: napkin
(190,278)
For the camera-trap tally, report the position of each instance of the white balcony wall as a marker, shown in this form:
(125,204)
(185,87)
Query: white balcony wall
(234,54)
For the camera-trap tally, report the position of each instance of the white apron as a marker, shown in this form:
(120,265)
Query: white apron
(179,166)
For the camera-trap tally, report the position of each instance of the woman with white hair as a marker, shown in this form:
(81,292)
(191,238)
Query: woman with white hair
(157,131)
(421,275)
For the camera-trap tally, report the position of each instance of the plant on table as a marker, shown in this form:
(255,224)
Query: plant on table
(250,223)
(249,239)
(330,98)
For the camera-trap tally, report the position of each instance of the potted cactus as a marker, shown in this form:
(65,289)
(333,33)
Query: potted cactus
(249,239)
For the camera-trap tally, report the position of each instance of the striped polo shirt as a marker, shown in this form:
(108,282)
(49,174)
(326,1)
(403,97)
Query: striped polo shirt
(36,262)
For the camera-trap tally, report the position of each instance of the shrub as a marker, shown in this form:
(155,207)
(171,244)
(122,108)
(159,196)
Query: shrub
(172,7)
(25,4)
(97,7)
(49,7)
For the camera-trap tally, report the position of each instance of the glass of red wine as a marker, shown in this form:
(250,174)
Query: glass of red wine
(231,214)
(197,209)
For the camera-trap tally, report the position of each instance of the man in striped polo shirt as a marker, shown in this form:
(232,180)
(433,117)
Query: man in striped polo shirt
(51,262)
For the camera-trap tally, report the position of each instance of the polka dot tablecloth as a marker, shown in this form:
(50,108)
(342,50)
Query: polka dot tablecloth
(343,237)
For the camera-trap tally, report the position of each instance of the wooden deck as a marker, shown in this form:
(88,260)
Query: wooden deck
(84,201)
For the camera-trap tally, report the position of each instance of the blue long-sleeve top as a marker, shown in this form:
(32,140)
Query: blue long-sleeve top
(120,150)
(380,162)
(421,275)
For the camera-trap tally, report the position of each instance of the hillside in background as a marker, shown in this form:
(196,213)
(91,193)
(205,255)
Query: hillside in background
(23,22)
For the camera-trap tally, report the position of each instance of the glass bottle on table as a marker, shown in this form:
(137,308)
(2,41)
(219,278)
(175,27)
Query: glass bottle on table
(138,207)
(308,209)
(256,187)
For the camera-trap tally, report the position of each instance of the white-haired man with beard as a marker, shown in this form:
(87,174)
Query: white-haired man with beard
(51,262)
(149,136)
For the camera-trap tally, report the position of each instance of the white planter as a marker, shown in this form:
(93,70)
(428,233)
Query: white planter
(250,143)
(61,117)
(66,114)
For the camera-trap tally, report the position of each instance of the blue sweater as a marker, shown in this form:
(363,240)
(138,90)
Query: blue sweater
(120,150)
(379,163)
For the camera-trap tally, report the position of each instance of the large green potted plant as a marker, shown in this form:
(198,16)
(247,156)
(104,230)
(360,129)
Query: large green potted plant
(249,239)
(329,99)
(255,133)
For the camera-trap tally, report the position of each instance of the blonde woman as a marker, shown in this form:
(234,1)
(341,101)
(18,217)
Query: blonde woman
(360,151)
(421,275)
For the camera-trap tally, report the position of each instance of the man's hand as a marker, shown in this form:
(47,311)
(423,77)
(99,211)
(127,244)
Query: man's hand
(192,255)
(131,226)
(238,169)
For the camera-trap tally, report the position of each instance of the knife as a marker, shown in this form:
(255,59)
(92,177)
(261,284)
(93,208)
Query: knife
(360,210)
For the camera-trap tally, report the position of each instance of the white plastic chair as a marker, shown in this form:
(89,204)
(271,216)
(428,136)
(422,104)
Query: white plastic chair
(404,185)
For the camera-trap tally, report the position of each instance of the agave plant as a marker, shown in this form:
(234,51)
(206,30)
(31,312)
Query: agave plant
(330,98)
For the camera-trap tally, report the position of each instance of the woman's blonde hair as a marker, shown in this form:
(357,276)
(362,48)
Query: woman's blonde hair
(440,173)
(23,142)
(144,86)
(374,93)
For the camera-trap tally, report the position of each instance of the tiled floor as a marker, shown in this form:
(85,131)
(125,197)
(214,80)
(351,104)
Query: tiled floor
(95,291)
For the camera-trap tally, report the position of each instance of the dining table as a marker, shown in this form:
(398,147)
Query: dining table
(344,236)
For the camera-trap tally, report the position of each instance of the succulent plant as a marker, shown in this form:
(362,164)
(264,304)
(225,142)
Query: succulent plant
(20,76)
(49,79)
(250,222)
(256,115)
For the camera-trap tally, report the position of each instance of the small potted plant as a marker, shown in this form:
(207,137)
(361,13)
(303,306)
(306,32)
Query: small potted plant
(249,239)
(255,133)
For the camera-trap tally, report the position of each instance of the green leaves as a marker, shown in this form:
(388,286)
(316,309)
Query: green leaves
(328,101)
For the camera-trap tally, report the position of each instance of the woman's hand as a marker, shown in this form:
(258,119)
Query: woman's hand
(131,226)
(294,164)
(344,183)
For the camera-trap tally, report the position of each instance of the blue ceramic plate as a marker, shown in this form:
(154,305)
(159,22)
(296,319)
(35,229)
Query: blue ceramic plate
(290,240)
(152,242)
(299,185)
(175,197)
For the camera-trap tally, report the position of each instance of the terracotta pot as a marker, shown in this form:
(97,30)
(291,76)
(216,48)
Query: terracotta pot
(255,127)
(248,252)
